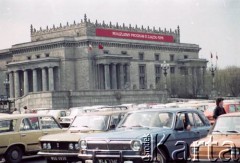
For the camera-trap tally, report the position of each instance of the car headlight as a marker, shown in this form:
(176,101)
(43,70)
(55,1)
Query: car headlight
(48,146)
(136,145)
(83,144)
(44,145)
(70,146)
(76,146)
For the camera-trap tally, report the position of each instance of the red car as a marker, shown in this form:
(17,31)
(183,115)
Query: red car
(229,107)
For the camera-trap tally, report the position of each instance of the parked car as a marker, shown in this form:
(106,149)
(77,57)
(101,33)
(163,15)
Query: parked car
(64,146)
(19,134)
(229,107)
(67,120)
(146,135)
(222,143)
(57,113)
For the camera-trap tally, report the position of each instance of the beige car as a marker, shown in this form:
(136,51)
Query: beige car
(19,134)
(63,147)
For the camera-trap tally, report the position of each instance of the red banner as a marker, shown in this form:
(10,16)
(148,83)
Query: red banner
(133,35)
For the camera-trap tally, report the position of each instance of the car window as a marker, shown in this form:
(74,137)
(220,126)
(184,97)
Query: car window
(185,118)
(63,114)
(232,108)
(7,125)
(25,125)
(198,120)
(48,123)
(34,123)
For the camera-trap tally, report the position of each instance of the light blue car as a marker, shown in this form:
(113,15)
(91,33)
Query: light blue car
(153,135)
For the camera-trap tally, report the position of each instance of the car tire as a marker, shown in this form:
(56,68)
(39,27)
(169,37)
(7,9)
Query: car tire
(161,156)
(14,154)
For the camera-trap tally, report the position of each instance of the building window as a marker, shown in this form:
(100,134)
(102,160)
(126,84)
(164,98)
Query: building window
(38,56)
(171,57)
(105,51)
(172,70)
(29,57)
(124,52)
(185,56)
(157,74)
(142,77)
(141,56)
(157,57)
(47,54)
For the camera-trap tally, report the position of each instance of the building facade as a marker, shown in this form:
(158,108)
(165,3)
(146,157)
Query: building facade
(97,57)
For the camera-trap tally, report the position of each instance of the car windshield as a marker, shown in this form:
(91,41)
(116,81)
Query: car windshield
(148,119)
(227,125)
(53,113)
(75,112)
(98,122)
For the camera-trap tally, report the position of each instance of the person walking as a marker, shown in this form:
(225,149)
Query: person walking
(219,110)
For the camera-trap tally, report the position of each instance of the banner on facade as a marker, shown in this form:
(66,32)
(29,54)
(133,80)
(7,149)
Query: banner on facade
(133,35)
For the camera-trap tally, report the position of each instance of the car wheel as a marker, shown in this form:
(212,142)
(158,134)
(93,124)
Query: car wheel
(14,154)
(160,157)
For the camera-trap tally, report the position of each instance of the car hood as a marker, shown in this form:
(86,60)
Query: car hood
(220,139)
(68,136)
(129,133)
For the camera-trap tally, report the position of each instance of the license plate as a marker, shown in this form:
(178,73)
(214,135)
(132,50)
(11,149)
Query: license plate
(59,158)
(108,161)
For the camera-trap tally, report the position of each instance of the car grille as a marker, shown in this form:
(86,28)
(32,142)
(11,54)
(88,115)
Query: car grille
(59,145)
(109,145)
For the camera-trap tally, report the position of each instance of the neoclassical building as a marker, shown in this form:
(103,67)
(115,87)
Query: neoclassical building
(99,63)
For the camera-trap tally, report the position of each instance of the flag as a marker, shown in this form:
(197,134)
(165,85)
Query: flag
(89,47)
(100,46)
(211,55)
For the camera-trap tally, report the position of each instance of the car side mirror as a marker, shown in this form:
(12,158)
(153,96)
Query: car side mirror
(179,125)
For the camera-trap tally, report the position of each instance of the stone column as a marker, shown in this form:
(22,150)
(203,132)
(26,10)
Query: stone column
(11,89)
(107,76)
(128,75)
(51,79)
(34,72)
(114,76)
(44,79)
(16,82)
(121,77)
(25,80)
(203,78)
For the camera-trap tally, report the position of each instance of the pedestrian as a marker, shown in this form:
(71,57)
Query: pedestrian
(26,110)
(219,110)
(15,111)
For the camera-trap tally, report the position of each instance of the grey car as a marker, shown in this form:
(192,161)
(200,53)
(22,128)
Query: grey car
(154,135)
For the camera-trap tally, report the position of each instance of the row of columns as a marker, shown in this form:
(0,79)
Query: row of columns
(113,78)
(14,79)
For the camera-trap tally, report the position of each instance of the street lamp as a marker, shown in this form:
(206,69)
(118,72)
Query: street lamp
(165,67)
(6,84)
(212,69)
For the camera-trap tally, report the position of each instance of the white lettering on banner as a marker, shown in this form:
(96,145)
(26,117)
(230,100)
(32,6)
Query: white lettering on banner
(121,34)
(134,35)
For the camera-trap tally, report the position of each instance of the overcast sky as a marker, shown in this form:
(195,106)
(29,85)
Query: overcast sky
(212,24)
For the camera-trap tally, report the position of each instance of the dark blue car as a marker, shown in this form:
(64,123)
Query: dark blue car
(154,135)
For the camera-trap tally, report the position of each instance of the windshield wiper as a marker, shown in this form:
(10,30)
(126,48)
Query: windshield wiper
(233,131)
(85,126)
(216,131)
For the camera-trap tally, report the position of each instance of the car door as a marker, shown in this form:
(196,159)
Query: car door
(200,126)
(30,133)
(49,125)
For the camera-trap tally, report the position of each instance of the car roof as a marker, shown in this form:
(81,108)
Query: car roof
(103,113)
(16,116)
(234,114)
(168,109)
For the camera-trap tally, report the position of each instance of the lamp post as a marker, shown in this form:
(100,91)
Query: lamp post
(212,69)
(165,67)
(6,84)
